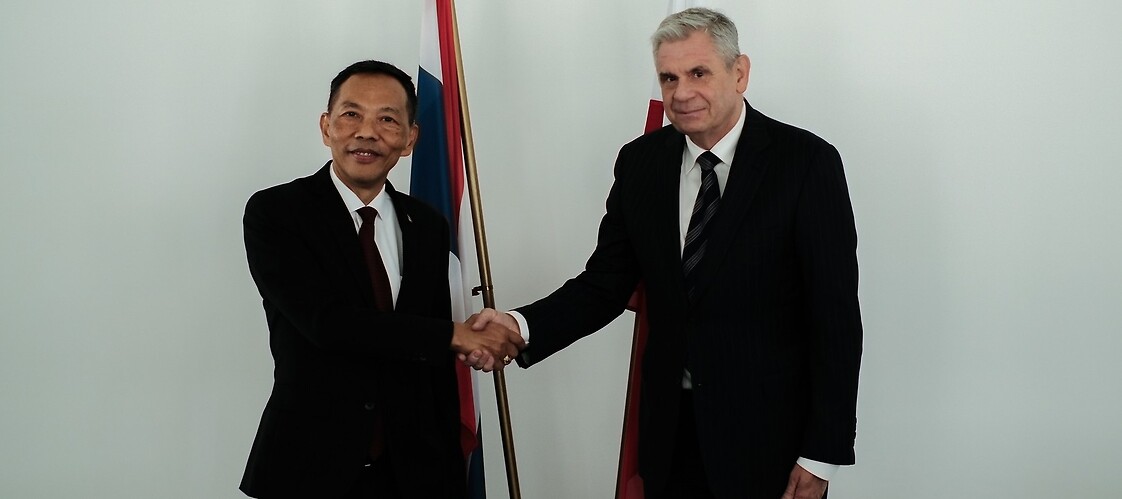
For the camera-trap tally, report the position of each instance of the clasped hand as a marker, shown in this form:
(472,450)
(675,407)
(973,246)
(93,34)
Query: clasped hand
(487,341)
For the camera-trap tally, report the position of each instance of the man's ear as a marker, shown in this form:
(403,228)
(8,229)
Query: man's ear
(743,66)
(414,134)
(324,123)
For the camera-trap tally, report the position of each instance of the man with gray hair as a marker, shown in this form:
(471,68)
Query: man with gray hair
(742,230)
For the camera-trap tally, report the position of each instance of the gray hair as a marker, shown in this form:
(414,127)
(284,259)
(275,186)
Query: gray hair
(681,25)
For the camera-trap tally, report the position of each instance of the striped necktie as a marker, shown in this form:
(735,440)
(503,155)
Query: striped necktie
(704,207)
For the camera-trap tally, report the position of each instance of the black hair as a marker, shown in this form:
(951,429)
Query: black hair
(377,68)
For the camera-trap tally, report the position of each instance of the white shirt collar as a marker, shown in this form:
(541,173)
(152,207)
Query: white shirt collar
(382,202)
(724,148)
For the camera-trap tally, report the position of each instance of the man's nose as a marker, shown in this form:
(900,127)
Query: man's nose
(367,129)
(685,90)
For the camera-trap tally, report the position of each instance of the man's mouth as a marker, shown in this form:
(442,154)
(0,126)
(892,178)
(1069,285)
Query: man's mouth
(365,153)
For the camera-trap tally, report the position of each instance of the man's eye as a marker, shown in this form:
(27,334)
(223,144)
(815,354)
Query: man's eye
(698,74)
(350,114)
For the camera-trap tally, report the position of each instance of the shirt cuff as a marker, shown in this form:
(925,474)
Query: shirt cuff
(819,469)
(523,327)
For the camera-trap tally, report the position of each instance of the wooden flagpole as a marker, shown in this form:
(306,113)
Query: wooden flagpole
(484,262)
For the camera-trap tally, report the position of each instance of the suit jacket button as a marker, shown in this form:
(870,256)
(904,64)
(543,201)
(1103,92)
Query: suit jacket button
(368,406)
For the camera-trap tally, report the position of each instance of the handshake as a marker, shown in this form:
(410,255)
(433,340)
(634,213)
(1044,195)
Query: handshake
(488,340)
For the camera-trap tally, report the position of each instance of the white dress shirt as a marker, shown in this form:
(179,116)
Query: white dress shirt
(387,232)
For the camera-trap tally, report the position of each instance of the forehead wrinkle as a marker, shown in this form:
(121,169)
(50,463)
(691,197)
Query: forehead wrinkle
(349,104)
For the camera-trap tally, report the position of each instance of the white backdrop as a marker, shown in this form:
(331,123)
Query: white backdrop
(980,141)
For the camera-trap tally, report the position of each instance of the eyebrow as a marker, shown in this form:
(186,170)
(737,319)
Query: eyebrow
(667,74)
(353,105)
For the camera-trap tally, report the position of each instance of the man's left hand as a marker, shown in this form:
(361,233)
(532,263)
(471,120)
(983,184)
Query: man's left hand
(804,485)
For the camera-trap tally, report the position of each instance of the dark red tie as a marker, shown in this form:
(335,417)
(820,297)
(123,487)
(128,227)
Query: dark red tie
(383,300)
(383,296)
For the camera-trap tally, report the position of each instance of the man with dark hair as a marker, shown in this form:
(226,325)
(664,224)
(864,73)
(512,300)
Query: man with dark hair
(741,227)
(354,281)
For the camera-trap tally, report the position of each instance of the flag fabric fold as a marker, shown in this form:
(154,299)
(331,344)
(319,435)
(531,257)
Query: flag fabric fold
(438,177)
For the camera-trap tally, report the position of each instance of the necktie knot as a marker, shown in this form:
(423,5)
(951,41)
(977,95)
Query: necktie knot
(708,161)
(368,214)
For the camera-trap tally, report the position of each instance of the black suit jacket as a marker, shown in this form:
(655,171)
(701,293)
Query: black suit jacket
(773,338)
(338,360)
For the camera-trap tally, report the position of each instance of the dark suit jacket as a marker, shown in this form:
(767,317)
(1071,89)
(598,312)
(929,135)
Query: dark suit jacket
(773,338)
(338,360)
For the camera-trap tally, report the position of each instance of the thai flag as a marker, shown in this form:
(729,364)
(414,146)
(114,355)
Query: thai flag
(438,178)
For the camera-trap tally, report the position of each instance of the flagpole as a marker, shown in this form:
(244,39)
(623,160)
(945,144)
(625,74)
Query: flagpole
(484,263)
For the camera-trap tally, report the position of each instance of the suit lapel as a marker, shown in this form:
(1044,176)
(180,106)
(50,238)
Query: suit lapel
(411,244)
(337,221)
(664,195)
(745,174)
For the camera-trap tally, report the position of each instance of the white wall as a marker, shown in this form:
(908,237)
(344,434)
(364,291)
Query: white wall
(980,140)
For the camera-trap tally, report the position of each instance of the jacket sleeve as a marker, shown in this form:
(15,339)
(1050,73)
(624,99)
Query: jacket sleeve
(826,242)
(599,294)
